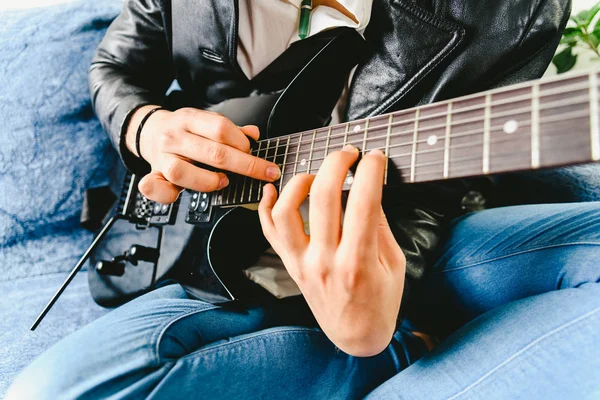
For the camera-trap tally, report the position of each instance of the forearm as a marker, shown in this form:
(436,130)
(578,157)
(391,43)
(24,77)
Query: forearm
(132,68)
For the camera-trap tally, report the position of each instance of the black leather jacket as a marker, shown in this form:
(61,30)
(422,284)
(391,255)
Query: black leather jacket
(419,52)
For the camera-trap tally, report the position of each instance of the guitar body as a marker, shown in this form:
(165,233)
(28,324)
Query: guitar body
(205,247)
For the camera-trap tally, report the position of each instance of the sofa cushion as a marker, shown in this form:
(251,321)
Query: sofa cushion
(51,149)
(51,145)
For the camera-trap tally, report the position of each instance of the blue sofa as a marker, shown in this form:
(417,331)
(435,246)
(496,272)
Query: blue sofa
(52,148)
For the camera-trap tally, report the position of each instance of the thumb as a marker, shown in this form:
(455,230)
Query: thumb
(156,187)
(251,131)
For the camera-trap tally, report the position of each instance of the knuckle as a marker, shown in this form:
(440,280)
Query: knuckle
(251,167)
(182,115)
(173,171)
(217,154)
(209,183)
(246,146)
(221,125)
(318,264)
(165,140)
(186,112)
(146,188)
(352,278)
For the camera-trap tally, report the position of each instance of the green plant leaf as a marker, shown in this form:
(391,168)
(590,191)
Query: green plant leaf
(565,60)
(585,17)
(596,35)
(570,36)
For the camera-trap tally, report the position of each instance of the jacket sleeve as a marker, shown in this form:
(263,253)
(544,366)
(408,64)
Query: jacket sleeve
(131,68)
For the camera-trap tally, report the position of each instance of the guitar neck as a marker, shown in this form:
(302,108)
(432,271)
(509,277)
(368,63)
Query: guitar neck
(537,124)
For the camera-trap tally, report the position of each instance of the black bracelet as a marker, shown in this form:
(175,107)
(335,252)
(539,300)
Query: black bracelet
(139,131)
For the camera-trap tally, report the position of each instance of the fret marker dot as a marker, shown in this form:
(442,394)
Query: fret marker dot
(303,162)
(511,126)
(431,140)
(357,128)
(349,180)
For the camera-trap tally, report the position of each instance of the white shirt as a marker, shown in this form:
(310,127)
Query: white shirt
(266,29)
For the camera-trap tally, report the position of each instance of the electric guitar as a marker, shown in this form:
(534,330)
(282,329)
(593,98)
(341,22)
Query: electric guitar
(204,241)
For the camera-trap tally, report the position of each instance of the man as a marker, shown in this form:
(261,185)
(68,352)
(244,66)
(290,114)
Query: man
(352,275)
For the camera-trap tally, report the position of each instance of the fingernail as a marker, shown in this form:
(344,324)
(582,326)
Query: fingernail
(273,173)
(377,152)
(349,148)
(223,182)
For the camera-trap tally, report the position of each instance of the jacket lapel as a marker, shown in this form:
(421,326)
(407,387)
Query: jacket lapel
(407,46)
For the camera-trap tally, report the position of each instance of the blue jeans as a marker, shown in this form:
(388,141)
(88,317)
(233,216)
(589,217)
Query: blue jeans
(515,294)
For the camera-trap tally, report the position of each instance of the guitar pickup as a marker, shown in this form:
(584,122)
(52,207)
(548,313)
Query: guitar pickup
(161,214)
(199,208)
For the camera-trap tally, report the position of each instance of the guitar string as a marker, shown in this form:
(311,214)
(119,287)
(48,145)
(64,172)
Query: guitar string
(477,160)
(403,133)
(525,138)
(456,172)
(474,132)
(464,110)
(557,104)
(469,158)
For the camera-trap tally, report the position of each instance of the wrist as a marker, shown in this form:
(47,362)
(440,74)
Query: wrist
(132,128)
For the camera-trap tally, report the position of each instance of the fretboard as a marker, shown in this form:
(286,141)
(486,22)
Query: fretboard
(537,124)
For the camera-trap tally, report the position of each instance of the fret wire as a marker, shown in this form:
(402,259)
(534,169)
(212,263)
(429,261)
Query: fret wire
(238,178)
(234,188)
(224,192)
(252,180)
(387,146)
(580,99)
(535,126)
(487,122)
(364,145)
(447,141)
(260,186)
(346,134)
(297,155)
(414,148)
(312,145)
(594,128)
(243,189)
(327,142)
(212,195)
(227,190)
(275,158)
(281,178)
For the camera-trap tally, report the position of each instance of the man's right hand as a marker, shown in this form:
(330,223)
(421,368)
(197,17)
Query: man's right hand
(172,141)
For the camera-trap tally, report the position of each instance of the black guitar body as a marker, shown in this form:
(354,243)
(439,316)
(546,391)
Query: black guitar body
(204,247)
